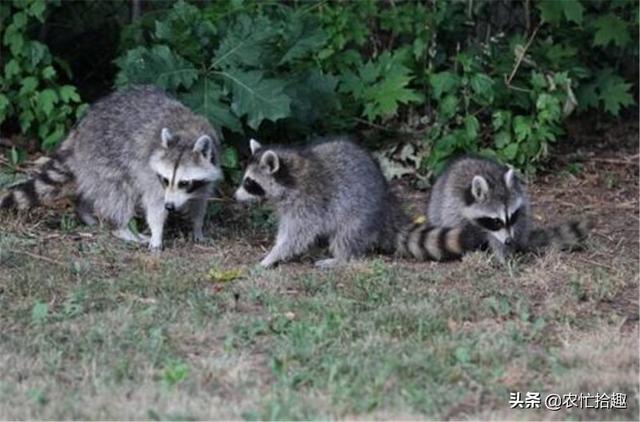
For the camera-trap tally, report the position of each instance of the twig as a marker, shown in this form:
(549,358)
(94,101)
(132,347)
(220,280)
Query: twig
(220,199)
(588,261)
(374,125)
(380,127)
(517,88)
(632,160)
(475,113)
(136,10)
(40,257)
(204,248)
(521,56)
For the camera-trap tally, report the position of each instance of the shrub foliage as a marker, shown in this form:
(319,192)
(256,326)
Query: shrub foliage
(494,78)
(32,95)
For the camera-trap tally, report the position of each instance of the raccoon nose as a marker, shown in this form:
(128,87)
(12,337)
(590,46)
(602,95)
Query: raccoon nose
(508,241)
(170,206)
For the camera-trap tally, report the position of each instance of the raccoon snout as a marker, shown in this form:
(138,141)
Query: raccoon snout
(241,195)
(508,241)
(170,206)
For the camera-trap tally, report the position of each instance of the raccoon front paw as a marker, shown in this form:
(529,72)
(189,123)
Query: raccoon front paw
(197,237)
(267,262)
(87,218)
(327,263)
(155,248)
(127,235)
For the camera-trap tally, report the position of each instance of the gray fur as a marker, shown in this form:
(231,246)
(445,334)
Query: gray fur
(471,188)
(333,190)
(117,150)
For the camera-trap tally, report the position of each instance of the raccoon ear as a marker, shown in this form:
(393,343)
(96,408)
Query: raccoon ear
(509,178)
(254,145)
(479,188)
(203,146)
(271,161)
(166,137)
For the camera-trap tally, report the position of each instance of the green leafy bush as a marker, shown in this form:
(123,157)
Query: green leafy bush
(503,93)
(511,133)
(590,40)
(239,70)
(31,93)
(493,78)
(380,85)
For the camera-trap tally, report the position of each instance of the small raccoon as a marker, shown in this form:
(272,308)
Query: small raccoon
(136,147)
(491,196)
(334,190)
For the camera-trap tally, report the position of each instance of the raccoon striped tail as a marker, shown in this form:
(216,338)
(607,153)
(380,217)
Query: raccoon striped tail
(52,181)
(569,235)
(424,242)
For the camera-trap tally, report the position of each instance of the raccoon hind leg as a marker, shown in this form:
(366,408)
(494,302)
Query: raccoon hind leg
(116,205)
(568,236)
(84,211)
(349,242)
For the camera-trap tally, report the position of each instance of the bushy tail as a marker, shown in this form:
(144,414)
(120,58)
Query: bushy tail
(52,181)
(569,235)
(424,242)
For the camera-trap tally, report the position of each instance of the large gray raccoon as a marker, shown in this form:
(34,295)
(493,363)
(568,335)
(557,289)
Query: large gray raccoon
(335,190)
(137,147)
(491,196)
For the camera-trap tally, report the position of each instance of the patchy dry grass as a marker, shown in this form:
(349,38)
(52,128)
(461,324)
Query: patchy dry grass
(91,328)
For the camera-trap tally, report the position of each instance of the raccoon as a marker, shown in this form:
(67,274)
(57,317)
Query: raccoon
(490,195)
(334,190)
(134,148)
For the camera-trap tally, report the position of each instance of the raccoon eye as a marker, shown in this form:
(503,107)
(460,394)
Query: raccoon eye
(184,184)
(164,181)
(196,184)
(492,224)
(252,187)
(514,216)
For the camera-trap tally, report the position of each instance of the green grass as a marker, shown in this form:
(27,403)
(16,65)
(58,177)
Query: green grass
(91,328)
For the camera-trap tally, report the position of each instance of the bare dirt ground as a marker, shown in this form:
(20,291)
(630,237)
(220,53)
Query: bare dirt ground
(91,328)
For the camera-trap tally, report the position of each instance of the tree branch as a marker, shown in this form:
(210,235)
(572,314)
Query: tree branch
(521,56)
